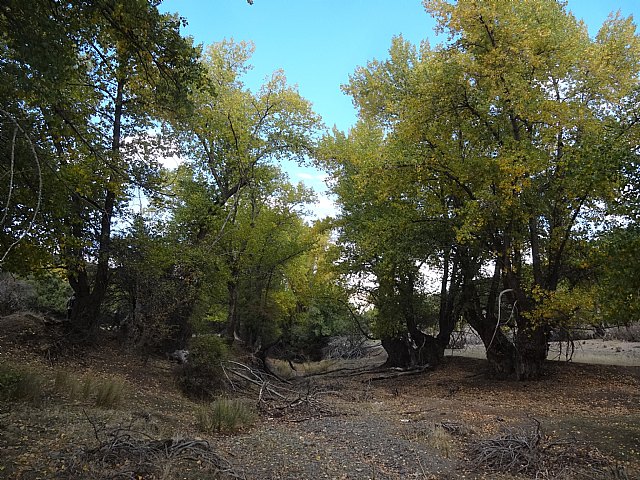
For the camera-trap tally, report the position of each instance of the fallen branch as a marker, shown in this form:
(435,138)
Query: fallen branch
(127,453)
(527,451)
(402,373)
(274,398)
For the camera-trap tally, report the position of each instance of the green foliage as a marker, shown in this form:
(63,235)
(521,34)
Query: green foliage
(154,289)
(503,147)
(52,292)
(224,415)
(618,266)
(202,376)
(46,292)
(93,75)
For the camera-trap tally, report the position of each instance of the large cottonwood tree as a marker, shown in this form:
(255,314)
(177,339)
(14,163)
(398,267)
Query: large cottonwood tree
(233,200)
(516,124)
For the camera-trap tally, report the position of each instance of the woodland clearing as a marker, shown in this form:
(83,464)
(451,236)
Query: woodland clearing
(352,420)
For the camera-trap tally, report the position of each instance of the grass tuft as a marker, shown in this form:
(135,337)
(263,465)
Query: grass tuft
(224,415)
(21,385)
(441,440)
(109,394)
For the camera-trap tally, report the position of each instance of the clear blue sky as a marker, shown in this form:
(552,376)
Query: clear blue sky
(319,43)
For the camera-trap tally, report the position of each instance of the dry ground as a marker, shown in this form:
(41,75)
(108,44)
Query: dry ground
(355,425)
(599,352)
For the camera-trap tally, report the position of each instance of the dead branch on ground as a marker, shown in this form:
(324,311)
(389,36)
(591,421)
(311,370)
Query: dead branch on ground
(516,450)
(526,450)
(272,396)
(398,372)
(127,453)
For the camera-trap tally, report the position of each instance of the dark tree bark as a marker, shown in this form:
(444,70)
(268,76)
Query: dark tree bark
(398,351)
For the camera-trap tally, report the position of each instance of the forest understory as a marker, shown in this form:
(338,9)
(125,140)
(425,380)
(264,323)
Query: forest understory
(341,419)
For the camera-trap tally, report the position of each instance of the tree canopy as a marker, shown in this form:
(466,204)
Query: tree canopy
(501,150)
(497,171)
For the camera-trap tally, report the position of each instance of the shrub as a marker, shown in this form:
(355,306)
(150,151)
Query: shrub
(15,294)
(52,293)
(20,385)
(224,415)
(202,375)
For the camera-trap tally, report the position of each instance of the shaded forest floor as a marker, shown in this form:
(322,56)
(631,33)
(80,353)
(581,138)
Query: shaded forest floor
(350,424)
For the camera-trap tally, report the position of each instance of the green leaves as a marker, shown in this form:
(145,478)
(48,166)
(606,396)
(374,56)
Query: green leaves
(501,151)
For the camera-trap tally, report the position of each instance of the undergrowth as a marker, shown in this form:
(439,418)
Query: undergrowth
(22,384)
(224,415)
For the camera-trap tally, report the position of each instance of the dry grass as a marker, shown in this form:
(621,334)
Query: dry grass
(20,384)
(109,394)
(283,369)
(106,393)
(224,415)
(441,440)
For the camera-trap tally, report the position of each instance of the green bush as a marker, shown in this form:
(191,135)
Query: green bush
(224,415)
(202,375)
(52,292)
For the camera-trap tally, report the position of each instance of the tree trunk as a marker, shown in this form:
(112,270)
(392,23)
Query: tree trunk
(232,310)
(405,351)
(398,355)
(501,353)
(532,348)
(85,315)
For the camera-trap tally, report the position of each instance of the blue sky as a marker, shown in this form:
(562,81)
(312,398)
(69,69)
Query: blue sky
(319,43)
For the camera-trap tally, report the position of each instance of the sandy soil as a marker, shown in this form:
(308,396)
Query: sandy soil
(597,352)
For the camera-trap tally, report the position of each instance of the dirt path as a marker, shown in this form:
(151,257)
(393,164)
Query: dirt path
(391,429)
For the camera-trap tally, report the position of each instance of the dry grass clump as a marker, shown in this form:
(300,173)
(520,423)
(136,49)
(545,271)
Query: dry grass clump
(283,368)
(107,393)
(441,440)
(20,384)
(224,415)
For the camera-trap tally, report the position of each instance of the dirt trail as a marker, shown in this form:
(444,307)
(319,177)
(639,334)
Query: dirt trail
(387,429)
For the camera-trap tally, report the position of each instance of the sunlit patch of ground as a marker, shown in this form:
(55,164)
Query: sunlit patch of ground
(600,352)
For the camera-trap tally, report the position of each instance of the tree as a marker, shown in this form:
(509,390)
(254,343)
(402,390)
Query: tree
(120,69)
(515,126)
(390,232)
(232,201)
